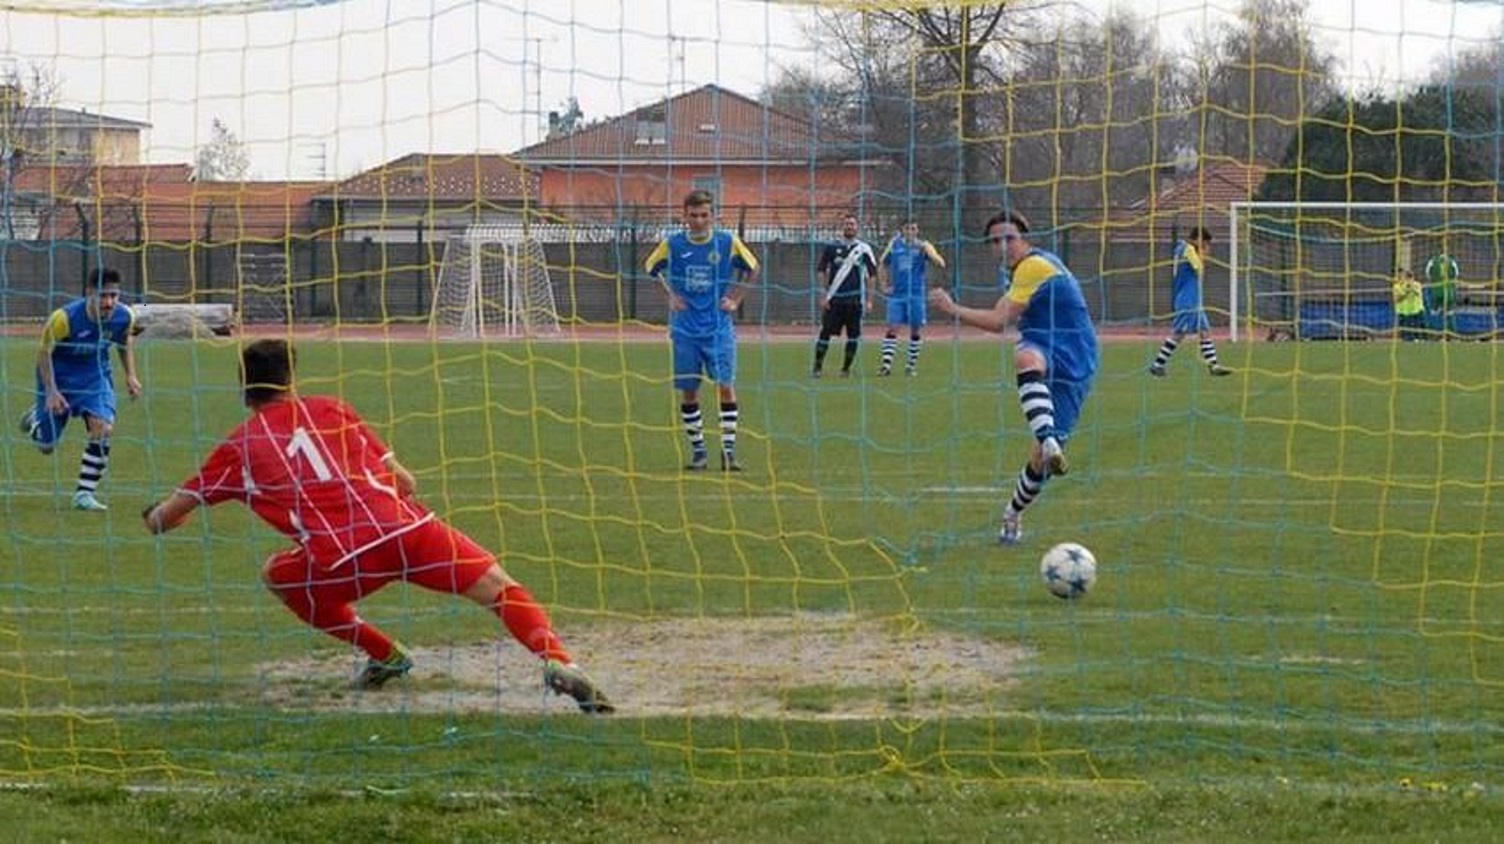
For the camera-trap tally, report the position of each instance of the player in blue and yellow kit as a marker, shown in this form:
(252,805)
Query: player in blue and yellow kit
(1190,316)
(1056,356)
(74,377)
(705,271)
(905,264)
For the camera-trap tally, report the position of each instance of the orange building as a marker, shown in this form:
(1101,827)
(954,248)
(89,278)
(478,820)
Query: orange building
(763,165)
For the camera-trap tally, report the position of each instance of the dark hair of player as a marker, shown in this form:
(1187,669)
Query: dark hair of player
(1017,218)
(266,370)
(101,278)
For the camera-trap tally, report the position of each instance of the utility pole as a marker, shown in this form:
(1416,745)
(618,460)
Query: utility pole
(538,89)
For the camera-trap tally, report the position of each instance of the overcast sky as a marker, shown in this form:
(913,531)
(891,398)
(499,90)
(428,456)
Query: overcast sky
(344,85)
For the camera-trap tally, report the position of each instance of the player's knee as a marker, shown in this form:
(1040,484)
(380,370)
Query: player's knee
(275,575)
(487,589)
(1029,361)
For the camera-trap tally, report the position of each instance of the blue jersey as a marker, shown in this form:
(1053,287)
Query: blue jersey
(701,273)
(81,345)
(908,267)
(1054,319)
(1187,282)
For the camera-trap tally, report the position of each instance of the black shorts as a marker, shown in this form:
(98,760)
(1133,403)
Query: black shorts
(843,315)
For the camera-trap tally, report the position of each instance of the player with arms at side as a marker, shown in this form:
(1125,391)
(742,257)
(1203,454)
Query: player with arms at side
(1190,315)
(905,264)
(845,268)
(705,271)
(74,378)
(1056,356)
(311,468)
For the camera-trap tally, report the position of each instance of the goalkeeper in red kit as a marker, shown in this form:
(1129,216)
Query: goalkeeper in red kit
(310,467)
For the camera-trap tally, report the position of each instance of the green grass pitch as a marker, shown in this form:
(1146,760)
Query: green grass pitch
(1299,583)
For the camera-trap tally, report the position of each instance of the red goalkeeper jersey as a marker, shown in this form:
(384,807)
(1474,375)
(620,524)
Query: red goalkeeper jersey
(312,469)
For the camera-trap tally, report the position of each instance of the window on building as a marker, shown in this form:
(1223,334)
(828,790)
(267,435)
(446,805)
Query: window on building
(652,127)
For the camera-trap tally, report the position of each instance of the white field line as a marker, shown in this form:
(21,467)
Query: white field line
(1407,727)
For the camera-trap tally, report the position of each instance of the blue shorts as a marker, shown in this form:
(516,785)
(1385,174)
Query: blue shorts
(712,357)
(98,402)
(907,310)
(1069,397)
(1192,321)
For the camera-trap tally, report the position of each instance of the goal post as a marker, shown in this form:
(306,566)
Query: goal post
(494,281)
(1325,270)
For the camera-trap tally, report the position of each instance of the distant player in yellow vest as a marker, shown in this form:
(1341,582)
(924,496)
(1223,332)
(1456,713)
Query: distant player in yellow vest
(1409,306)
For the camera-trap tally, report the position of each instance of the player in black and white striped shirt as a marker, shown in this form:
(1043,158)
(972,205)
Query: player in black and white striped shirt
(846,270)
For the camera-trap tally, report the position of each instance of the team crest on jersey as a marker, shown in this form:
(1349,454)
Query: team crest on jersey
(714,257)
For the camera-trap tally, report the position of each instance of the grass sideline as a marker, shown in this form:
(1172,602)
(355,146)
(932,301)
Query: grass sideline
(1297,614)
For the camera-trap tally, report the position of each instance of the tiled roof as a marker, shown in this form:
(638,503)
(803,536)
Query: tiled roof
(463,176)
(1217,185)
(709,123)
(163,204)
(100,181)
(240,210)
(1202,199)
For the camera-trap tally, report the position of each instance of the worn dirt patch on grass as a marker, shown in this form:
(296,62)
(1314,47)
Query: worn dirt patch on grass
(813,666)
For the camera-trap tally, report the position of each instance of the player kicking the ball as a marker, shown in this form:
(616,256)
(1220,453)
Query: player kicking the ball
(1056,355)
(312,469)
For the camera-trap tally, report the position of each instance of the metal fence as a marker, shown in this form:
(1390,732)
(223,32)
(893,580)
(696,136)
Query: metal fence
(595,279)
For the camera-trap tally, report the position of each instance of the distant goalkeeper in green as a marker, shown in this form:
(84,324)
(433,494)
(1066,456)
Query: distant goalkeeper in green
(1190,315)
(1440,294)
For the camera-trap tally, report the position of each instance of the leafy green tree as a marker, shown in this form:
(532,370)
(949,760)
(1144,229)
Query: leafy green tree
(1437,143)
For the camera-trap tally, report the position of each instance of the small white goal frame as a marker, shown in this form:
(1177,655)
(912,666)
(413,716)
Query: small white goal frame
(524,304)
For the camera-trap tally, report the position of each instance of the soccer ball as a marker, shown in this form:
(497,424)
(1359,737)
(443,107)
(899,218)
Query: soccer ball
(1069,570)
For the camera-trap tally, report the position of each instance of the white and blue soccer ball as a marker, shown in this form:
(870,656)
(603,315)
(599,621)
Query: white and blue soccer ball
(1069,570)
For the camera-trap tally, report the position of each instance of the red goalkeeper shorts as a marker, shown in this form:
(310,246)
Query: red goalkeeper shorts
(432,555)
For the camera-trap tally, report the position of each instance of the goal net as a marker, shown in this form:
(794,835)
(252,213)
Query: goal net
(494,282)
(1299,592)
(1324,271)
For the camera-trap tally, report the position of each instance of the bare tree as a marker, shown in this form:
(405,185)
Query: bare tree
(1477,66)
(27,95)
(222,158)
(1261,75)
(1090,111)
(912,82)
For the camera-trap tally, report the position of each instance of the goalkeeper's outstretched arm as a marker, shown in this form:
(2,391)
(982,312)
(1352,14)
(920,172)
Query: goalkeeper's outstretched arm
(169,514)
